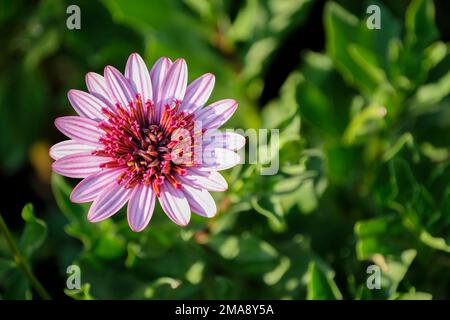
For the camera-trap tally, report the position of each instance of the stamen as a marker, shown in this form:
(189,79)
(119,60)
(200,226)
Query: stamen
(144,147)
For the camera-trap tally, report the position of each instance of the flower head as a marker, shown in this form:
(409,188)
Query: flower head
(146,135)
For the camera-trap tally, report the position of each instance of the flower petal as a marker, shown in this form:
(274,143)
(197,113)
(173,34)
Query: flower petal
(79,129)
(96,85)
(216,114)
(79,165)
(140,207)
(108,203)
(219,159)
(69,147)
(137,73)
(157,76)
(226,140)
(86,105)
(197,93)
(118,86)
(175,205)
(209,180)
(174,86)
(89,188)
(200,201)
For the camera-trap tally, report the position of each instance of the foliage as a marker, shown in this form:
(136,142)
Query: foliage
(364,153)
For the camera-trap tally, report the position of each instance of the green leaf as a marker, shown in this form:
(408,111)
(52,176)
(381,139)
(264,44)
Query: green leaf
(434,242)
(419,23)
(253,256)
(75,213)
(434,54)
(274,276)
(43,47)
(195,273)
(368,60)
(321,286)
(396,269)
(34,233)
(162,287)
(6,265)
(383,240)
(324,100)
(250,18)
(435,154)
(109,246)
(430,94)
(15,286)
(340,163)
(202,7)
(393,269)
(283,109)
(299,191)
(367,121)
(316,106)
(80,294)
(382,235)
(413,295)
(405,140)
(359,53)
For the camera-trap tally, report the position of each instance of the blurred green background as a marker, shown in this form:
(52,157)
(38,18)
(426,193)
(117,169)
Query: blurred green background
(364,119)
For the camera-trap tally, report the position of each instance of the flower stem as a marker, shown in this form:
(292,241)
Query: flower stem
(21,263)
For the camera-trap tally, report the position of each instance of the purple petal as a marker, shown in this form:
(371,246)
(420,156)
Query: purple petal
(69,147)
(118,86)
(226,140)
(108,202)
(200,201)
(209,180)
(140,207)
(174,86)
(137,73)
(86,105)
(157,76)
(79,165)
(197,93)
(216,114)
(96,85)
(219,159)
(89,188)
(80,129)
(174,204)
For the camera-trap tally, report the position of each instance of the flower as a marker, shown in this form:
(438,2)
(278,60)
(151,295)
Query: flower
(146,135)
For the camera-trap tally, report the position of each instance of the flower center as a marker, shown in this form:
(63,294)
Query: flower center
(151,150)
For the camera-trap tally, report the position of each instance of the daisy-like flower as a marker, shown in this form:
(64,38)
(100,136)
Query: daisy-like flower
(146,135)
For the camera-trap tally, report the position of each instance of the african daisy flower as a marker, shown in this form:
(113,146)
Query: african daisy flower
(146,135)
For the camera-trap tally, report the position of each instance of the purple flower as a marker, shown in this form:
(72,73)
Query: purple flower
(146,135)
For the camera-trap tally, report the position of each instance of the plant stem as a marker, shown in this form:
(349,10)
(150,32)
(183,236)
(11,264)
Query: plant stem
(21,263)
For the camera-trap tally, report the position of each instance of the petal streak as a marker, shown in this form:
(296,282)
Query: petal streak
(79,129)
